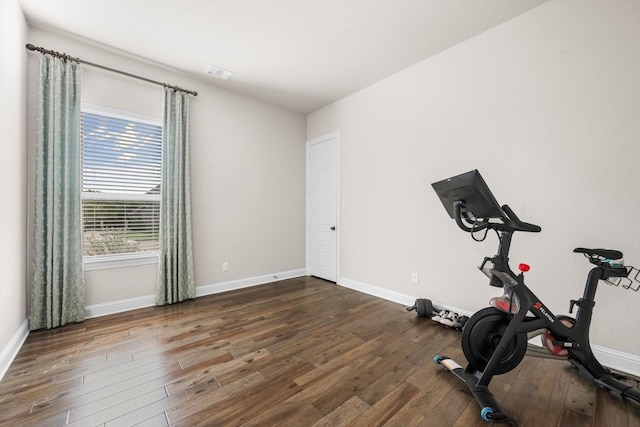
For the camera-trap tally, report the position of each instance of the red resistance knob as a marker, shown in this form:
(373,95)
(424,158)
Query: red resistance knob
(524,267)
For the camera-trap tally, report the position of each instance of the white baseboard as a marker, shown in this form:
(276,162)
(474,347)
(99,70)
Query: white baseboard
(394,296)
(625,362)
(13,347)
(120,306)
(618,360)
(246,283)
(376,291)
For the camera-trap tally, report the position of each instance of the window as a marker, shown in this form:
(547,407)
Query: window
(121,171)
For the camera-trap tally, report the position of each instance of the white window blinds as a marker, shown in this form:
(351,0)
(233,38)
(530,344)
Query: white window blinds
(121,171)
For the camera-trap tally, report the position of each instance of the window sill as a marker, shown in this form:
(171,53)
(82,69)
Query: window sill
(101,262)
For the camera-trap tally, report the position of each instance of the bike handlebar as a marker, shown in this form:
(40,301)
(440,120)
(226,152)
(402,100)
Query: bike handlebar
(509,221)
(520,225)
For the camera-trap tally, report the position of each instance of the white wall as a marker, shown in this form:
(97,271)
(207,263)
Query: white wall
(546,107)
(13,165)
(248,171)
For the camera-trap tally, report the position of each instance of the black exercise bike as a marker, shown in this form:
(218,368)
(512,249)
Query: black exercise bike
(495,339)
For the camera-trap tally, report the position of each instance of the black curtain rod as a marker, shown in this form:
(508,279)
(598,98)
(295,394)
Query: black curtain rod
(80,61)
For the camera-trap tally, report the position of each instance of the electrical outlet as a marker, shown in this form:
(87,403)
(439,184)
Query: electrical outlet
(225,266)
(414,278)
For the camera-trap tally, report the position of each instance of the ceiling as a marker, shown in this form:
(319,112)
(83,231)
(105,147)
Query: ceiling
(299,54)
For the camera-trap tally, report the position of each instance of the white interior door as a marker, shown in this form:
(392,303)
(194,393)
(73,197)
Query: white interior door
(322,207)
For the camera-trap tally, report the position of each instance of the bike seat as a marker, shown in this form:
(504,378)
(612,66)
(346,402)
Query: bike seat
(603,253)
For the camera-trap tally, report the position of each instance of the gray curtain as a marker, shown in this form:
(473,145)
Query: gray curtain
(175,266)
(57,285)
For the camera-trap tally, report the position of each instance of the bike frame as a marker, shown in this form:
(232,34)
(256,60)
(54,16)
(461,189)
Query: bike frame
(575,339)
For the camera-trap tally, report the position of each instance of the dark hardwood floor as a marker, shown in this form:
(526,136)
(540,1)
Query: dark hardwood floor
(300,352)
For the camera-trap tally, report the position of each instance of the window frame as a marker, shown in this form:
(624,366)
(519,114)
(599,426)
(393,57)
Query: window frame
(100,262)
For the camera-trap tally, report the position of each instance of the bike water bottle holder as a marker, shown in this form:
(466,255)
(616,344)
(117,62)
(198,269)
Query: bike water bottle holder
(631,281)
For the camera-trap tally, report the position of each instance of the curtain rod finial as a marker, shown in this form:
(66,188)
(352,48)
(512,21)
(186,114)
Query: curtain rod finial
(30,46)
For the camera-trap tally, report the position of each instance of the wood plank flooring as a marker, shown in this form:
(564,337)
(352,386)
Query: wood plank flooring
(300,352)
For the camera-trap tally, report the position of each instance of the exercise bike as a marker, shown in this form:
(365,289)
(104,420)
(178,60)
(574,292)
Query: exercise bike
(496,338)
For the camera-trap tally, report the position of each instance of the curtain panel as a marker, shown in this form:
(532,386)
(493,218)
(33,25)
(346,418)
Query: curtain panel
(57,287)
(175,265)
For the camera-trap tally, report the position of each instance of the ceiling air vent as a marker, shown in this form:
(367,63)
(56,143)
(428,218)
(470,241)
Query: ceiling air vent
(217,72)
